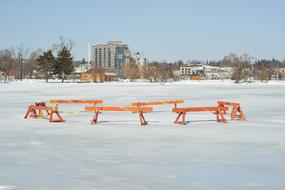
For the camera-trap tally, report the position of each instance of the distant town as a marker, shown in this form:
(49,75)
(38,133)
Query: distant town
(114,61)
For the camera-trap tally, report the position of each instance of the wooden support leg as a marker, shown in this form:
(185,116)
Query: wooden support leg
(183,118)
(31,110)
(59,117)
(242,116)
(28,112)
(142,119)
(183,114)
(51,116)
(237,114)
(223,110)
(95,118)
(220,117)
(233,113)
(57,114)
(178,117)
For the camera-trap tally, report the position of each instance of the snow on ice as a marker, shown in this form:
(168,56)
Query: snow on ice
(118,153)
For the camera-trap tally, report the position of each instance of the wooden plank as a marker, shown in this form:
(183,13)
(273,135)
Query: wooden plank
(198,109)
(157,103)
(40,107)
(76,101)
(229,103)
(118,108)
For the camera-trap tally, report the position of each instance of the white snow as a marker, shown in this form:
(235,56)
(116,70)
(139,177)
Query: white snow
(118,153)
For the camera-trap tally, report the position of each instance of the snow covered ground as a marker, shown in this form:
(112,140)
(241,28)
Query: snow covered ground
(118,153)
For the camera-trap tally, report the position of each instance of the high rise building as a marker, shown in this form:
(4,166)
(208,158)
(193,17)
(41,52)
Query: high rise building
(111,55)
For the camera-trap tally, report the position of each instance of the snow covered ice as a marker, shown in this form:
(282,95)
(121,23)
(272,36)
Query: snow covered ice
(118,153)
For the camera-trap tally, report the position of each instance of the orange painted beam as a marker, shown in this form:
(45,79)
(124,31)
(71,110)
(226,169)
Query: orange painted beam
(199,109)
(228,104)
(118,108)
(76,101)
(157,103)
(41,107)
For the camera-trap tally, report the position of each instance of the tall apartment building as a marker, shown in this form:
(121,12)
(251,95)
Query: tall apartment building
(111,55)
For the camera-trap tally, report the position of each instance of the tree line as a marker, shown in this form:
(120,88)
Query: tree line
(154,71)
(57,61)
(243,69)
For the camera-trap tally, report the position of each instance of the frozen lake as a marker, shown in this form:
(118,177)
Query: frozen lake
(118,153)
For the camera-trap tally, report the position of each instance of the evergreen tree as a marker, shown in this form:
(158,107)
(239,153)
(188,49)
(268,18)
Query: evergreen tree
(63,64)
(46,62)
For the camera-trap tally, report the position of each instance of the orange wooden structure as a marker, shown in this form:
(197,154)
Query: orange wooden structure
(174,102)
(236,113)
(36,110)
(218,111)
(139,110)
(76,101)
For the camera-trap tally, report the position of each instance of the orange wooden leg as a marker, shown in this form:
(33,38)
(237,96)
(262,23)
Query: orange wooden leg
(57,114)
(59,117)
(144,122)
(51,116)
(242,116)
(223,110)
(237,114)
(31,110)
(95,118)
(178,117)
(28,112)
(182,116)
(142,119)
(220,117)
(233,113)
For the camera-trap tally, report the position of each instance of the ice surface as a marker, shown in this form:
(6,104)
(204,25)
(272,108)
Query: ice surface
(118,153)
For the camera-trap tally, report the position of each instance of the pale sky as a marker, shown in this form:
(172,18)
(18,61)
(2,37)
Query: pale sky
(161,29)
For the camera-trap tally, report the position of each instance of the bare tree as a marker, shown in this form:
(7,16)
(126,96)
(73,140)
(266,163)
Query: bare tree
(21,49)
(264,73)
(156,71)
(21,55)
(32,62)
(240,65)
(142,71)
(131,70)
(69,44)
(7,61)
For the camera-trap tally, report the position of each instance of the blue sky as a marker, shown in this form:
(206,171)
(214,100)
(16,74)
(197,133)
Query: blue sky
(162,29)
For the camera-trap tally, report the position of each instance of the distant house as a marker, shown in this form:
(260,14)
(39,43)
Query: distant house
(139,58)
(176,74)
(185,71)
(98,76)
(200,71)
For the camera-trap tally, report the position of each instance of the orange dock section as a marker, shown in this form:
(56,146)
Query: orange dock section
(174,102)
(236,113)
(218,111)
(36,110)
(118,108)
(76,101)
(139,110)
